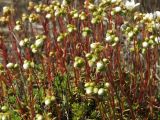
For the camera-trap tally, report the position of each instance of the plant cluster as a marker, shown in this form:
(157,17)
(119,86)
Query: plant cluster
(79,60)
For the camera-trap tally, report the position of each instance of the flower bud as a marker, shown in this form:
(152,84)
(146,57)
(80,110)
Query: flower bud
(82,16)
(87,84)
(145,44)
(24,17)
(4,117)
(4,108)
(91,6)
(150,42)
(21,43)
(117,9)
(75,15)
(108,38)
(95,90)
(92,84)
(91,63)
(10,65)
(95,20)
(89,90)
(17,27)
(15,65)
(26,40)
(32,64)
(39,117)
(70,28)
(26,65)
(89,56)
(79,62)
(112,13)
(49,16)
(60,38)
(38,9)
(106,85)
(157,40)
(6,10)
(113,1)
(101,91)
(34,50)
(95,45)
(116,39)
(100,66)
(106,61)
(53,98)
(130,34)
(86,31)
(47,101)
(1,66)
(39,42)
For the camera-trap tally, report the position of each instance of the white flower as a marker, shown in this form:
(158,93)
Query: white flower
(131,5)
(157,14)
(157,39)
(148,16)
(10,65)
